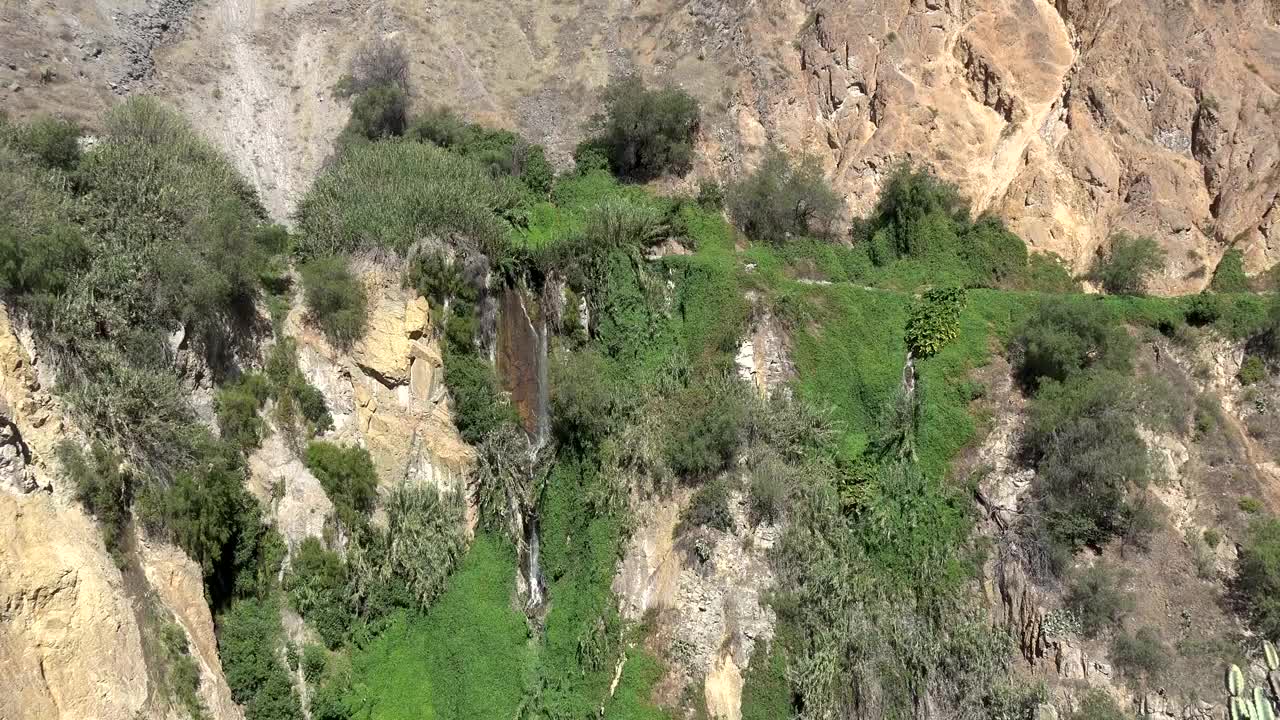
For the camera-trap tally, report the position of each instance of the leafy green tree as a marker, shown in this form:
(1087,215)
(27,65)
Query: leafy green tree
(782,199)
(1128,266)
(1063,336)
(378,113)
(249,636)
(317,587)
(644,132)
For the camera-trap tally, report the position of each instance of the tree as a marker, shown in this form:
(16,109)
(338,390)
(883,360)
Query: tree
(379,62)
(646,133)
(1128,266)
(782,199)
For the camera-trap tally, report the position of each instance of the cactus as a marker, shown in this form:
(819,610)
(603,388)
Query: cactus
(1271,656)
(1262,709)
(1239,709)
(1235,681)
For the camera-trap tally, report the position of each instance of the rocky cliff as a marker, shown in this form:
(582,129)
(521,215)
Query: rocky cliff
(1071,119)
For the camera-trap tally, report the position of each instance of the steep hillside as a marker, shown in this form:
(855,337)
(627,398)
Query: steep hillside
(1072,120)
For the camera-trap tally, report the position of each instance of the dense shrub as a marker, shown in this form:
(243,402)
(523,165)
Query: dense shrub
(501,152)
(768,492)
(1048,273)
(102,485)
(1258,575)
(1066,335)
(704,428)
(183,676)
(53,142)
(300,410)
(1252,370)
(408,191)
(1229,276)
(1097,704)
(709,508)
(335,299)
(584,400)
(237,406)
(913,208)
(348,478)
(249,636)
(998,258)
(710,195)
(479,405)
(1202,309)
(317,587)
(934,321)
(378,113)
(1142,656)
(782,199)
(1098,598)
(644,132)
(1091,463)
(314,660)
(1127,267)
(408,563)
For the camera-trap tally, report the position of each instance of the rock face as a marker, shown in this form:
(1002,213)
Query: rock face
(70,632)
(387,393)
(1071,119)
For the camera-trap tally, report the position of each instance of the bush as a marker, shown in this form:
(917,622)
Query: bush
(348,478)
(1253,506)
(249,635)
(407,192)
(710,195)
(379,112)
(300,410)
(1252,370)
(781,200)
(479,405)
(1129,265)
(1258,575)
(501,152)
(1202,309)
(1066,335)
(102,485)
(1090,461)
(646,133)
(769,490)
(53,142)
(912,205)
(237,405)
(1097,597)
(1142,656)
(1229,276)
(1212,537)
(703,430)
(314,660)
(317,587)
(1097,704)
(1048,273)
(408,563)
(934,321)
(335,299)
(709,507)
(997,257)
(381,62)
(583,398)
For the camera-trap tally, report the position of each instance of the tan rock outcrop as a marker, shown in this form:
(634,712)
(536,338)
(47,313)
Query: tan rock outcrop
(71,643)
(387,393)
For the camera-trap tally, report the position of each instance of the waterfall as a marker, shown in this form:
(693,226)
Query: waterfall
(521,360)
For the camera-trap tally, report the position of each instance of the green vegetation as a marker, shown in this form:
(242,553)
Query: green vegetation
(1252,370)
(501,152)
(645,133)
(1140,657)
(102,485)
(782,199)
(1098,597)
(934,321)
(1258,574)
(183,676)
(335,299)
(1097,704)
(1129,264)
(248,635)
(348,479)
(1229,276)
(708,508)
